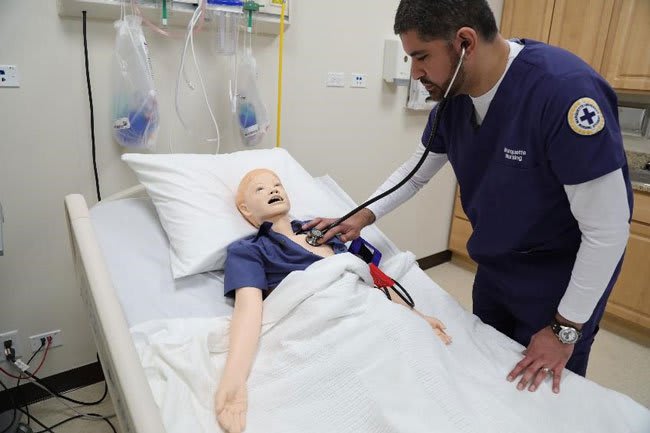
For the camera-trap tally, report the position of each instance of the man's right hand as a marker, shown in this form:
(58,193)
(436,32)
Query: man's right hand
(348,230)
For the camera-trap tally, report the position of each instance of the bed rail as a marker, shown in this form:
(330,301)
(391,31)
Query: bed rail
(136,409)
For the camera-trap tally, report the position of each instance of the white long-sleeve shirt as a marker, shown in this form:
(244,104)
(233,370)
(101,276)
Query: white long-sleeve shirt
(599,206)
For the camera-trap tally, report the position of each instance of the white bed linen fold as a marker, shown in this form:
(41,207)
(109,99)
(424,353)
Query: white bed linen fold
(336,356)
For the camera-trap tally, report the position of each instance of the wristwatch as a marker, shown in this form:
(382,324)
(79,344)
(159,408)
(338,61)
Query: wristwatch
(565,333)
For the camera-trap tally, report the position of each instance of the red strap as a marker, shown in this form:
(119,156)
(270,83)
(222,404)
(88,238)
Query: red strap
(380,279)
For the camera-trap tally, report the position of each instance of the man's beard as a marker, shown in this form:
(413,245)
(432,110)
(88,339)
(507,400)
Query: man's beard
(436,93)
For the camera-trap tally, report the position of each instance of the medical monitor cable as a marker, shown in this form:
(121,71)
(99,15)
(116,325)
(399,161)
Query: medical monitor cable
(92,111)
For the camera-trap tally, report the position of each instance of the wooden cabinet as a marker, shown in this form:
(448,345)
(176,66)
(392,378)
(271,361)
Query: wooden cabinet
(527,19)
(627,61)
(461,230)
(630,298)
(610,35)
(582,28)
(629,303)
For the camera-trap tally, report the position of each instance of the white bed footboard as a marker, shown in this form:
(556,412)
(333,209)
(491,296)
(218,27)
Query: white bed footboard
(134,403)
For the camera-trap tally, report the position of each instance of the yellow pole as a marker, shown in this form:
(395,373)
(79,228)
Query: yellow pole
(277,138)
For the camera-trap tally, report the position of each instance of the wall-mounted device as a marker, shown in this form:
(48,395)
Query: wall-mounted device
(397,64)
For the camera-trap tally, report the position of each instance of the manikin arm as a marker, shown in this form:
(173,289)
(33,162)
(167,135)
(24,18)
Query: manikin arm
(437,326)
(231,400)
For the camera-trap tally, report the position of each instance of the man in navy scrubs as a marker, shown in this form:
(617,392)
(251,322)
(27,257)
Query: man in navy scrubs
(532,134)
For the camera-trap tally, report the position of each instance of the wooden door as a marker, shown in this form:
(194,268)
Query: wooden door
(627,54)
(527,19)
(581,27)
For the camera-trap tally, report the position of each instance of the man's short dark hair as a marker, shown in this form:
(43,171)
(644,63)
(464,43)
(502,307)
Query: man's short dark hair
(440,19)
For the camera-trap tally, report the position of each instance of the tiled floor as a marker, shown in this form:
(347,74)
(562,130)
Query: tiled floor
(615,362)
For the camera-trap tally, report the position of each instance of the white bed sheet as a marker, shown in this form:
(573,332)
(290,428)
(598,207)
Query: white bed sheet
(136,251)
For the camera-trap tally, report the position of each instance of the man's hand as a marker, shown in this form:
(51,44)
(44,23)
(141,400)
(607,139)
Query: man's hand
(545,355)
(349,229)
(231,404)
(437,326)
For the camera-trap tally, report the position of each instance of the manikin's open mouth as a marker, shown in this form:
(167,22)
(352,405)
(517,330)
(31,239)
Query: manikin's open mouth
(275,199)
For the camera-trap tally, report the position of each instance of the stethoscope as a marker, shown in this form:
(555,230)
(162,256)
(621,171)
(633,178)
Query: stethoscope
(314,235)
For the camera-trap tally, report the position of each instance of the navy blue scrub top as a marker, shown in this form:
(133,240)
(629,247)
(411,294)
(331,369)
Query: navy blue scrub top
(553,122)
(265,259)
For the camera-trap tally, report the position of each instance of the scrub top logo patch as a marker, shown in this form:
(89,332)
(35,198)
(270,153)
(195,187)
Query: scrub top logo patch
(585,117)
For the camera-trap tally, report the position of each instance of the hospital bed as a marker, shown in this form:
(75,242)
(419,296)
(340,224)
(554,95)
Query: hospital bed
(122,256)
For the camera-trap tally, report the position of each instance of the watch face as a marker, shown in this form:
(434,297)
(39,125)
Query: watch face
(568,335)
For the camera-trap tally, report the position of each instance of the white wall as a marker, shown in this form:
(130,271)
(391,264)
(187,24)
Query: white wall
(356,135)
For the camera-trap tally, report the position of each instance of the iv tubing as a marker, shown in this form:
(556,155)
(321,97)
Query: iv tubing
(280,52)
(136,10)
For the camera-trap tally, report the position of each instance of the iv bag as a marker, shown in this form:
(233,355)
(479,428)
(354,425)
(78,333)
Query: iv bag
(135,118)
(251,115)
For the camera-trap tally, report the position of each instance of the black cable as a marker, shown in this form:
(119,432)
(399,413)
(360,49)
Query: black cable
(72,418)
(13,417)
(434,128)
(59,424)
(37,421)
(92,113)
(406,297)
(71,400)
(18,382)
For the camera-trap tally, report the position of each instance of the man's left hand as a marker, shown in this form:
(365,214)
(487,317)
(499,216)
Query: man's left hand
(545,355)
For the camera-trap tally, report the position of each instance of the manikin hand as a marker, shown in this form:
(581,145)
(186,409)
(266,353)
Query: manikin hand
(437,326)
(349,229)
(231,404)
(545,355)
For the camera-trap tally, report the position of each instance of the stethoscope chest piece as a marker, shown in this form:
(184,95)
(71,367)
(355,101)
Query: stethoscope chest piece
(314,236)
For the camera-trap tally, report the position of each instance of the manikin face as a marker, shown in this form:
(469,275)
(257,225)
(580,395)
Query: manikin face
(261,197)
(433,63)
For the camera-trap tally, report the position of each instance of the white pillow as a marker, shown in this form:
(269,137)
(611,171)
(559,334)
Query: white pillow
(194,196)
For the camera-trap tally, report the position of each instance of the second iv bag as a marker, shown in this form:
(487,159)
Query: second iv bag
(251,114)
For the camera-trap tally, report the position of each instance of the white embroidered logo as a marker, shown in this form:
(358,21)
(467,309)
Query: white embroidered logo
(514,155)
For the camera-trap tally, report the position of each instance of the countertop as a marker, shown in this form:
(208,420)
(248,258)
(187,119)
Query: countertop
(637,161)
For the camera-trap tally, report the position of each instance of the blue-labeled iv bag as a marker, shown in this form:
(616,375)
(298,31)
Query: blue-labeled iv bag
(135,118)
(251,115)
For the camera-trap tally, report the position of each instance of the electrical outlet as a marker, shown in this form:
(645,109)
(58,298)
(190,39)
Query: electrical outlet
(35,340)
(359,81)
(15,343)
(9,76)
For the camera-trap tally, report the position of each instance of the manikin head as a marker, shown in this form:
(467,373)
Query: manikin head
(434,32)
(261,197)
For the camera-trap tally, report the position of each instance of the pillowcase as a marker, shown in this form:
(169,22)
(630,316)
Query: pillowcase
(194,196)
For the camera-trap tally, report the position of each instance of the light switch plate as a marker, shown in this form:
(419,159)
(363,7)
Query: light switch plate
(9,76)
(335,79)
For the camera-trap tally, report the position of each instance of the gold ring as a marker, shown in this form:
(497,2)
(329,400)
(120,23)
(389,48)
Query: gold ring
(546,370)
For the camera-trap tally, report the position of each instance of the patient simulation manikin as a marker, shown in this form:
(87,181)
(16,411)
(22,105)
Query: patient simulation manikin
(254,266)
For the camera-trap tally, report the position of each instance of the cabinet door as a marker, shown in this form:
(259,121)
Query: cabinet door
(527,19)
(581,27)
(630,298)
(627,56)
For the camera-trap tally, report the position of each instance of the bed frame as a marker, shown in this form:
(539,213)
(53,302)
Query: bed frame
(132,398)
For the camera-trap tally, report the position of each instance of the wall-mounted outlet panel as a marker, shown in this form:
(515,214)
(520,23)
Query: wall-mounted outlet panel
(15,343)
(35,340)
(9,76)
